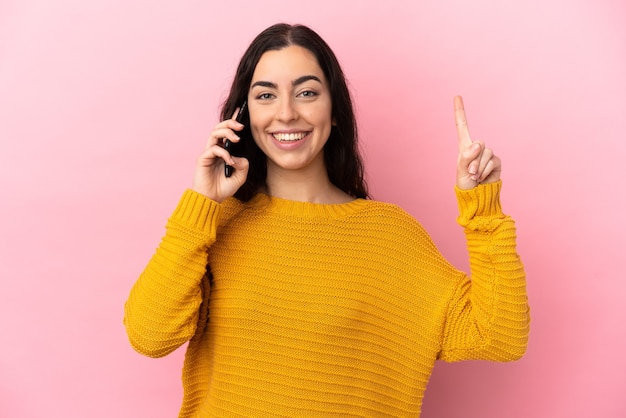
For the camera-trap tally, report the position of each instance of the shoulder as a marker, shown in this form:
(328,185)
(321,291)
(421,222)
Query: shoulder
(385,209)
(389,216)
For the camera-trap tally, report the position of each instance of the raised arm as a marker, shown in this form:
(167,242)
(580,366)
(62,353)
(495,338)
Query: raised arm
(488,316)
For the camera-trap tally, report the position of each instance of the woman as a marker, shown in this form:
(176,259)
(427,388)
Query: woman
(297,294)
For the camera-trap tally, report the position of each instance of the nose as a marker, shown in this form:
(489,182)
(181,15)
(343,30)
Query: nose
(287,112)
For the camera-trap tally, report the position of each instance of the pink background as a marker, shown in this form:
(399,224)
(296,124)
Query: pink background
(105,105)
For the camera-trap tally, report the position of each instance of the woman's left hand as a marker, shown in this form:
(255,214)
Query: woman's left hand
(476,163)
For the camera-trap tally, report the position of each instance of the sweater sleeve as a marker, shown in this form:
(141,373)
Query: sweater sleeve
(488,317)
(162,309)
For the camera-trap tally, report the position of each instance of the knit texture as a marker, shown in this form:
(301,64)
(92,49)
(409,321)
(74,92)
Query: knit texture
(313,310)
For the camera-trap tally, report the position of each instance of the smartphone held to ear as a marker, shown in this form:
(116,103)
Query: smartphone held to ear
(228,169)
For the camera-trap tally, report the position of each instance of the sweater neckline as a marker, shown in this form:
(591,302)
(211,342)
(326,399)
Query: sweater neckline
(296,208)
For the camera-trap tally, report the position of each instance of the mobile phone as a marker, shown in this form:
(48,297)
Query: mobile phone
(228,169)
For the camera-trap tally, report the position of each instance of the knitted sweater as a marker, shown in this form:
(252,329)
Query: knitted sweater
(313,310)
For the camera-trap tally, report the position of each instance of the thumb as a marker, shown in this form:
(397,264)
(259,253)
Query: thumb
(241,166)
(467,165)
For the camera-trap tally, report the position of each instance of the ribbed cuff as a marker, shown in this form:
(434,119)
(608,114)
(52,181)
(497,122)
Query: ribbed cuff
(197,211)
(481,201)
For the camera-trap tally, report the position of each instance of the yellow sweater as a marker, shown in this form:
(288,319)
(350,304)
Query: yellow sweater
(324,310)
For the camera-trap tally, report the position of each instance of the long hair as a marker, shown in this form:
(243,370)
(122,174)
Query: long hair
(341,153)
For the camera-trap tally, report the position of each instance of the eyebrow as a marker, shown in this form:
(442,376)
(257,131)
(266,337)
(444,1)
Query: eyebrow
(294,83)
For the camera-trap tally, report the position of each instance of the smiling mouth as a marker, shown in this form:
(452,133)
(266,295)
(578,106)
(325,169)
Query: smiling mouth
(290,137)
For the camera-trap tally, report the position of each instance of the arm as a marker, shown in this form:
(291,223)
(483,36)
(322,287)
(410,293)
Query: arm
(488,318)
(162,310)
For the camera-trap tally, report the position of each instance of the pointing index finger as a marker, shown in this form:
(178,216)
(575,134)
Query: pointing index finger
(461,122)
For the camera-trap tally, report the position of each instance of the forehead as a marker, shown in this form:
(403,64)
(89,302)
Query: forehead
(287,64)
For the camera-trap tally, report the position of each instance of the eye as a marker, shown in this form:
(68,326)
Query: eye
(265,96)
(308,93)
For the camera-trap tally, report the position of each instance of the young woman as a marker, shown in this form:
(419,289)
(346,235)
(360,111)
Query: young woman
(300,297)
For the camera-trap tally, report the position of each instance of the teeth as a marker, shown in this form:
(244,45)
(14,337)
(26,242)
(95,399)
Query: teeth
(289,137)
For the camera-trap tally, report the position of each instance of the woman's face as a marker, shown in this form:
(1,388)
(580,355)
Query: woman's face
(290,109)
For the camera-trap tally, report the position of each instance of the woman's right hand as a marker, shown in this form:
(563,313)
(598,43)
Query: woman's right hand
(209,178)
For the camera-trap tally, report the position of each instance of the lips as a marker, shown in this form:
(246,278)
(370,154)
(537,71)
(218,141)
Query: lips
(289,137)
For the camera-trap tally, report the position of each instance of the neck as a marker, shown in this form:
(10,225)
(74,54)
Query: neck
(311,185)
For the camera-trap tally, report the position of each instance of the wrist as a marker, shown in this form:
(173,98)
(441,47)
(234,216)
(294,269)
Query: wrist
(480,201)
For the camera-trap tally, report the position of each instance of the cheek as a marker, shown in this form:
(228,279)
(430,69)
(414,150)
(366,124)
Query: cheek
(324,113)
(319,116)
(257,122)
(258,126)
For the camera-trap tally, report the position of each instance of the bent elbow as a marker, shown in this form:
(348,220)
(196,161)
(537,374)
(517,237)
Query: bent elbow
(153,349)
(514,339)
(513,348)
(151,343)
(516,353)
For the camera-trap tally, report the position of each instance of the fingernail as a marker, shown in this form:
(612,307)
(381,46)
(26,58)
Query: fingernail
(472,170)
